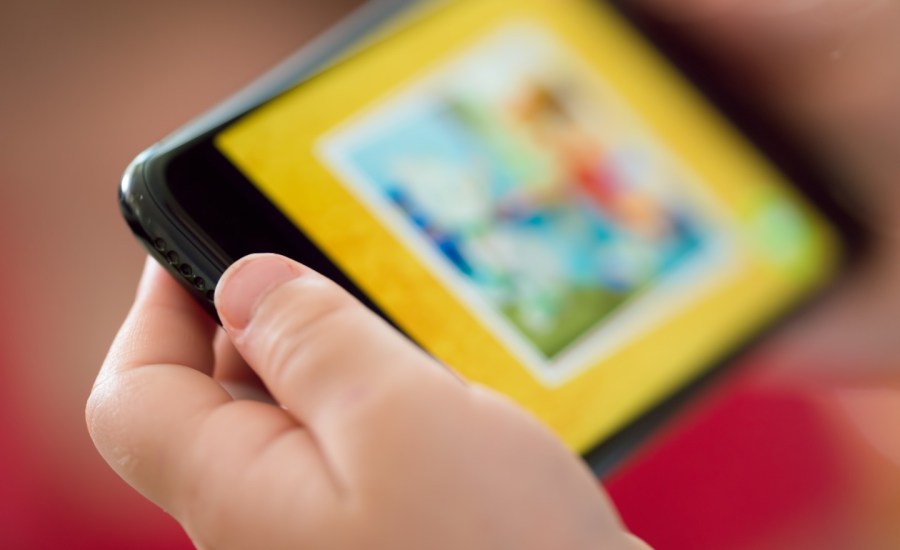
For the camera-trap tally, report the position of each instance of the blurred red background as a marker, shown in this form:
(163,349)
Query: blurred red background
(779,455)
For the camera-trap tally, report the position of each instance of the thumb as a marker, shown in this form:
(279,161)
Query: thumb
(324,356)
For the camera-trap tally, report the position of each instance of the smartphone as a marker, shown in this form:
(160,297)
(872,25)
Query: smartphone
(542,194)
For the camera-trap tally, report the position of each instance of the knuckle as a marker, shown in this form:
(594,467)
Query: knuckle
(108,415)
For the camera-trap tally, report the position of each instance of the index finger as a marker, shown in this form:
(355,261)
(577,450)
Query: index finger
(177,436)
(154,379)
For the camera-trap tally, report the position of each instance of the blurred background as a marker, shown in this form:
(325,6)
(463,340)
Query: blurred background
(799,448)
(85,86)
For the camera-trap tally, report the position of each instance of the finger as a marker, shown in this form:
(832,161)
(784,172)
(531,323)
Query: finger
(334,364)
(152,380)
(162,308)
(233,373)
(163,424)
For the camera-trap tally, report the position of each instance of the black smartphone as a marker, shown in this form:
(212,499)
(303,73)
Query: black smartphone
(543,194)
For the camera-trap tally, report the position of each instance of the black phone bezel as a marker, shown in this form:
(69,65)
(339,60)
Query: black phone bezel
(191,208)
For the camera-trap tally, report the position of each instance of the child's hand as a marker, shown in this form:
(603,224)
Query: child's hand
(369,443)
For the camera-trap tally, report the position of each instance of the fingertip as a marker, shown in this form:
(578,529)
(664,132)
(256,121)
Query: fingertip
(247,282)
(165,325)
(149,273)
(159,286)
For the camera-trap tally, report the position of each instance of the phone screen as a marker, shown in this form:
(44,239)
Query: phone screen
(541,201)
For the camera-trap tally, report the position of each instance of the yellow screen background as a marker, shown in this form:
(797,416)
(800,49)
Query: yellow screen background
(274,147)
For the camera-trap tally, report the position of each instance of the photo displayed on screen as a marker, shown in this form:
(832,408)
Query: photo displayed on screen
(537,196)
